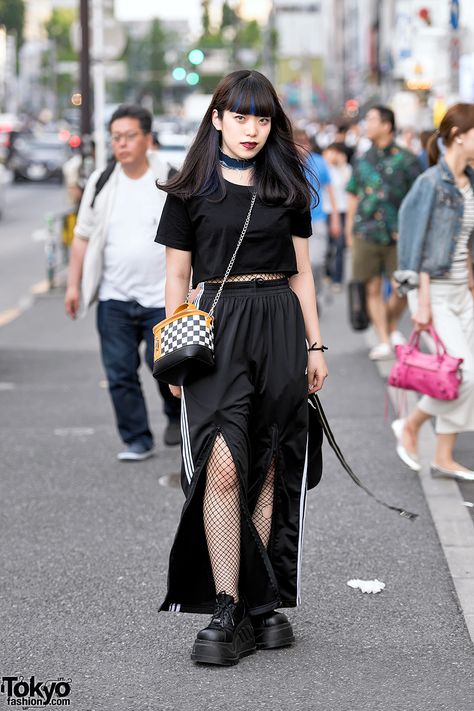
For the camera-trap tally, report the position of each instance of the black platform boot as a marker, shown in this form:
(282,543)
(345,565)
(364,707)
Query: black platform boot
(272,630)
(228,637)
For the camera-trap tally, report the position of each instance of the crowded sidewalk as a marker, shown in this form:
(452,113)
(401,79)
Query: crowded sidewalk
(85,540)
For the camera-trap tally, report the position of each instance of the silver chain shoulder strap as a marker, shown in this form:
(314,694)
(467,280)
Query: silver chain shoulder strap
(231,263)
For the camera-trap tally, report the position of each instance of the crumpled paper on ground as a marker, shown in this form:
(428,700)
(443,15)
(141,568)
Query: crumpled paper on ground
(367,586)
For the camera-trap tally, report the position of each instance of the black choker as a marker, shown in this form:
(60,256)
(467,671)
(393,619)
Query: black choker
(235,163)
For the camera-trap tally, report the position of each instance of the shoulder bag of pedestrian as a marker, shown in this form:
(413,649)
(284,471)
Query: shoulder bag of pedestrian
(184,342)
(318,416)
(435,374)
(358,316)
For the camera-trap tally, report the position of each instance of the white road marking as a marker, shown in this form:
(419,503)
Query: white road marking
(8,316)
(39,235)
(74,431)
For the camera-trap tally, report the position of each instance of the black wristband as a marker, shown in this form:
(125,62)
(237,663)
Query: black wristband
(315,347)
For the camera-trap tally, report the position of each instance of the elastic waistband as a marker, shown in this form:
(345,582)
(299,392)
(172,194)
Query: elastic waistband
(256,286)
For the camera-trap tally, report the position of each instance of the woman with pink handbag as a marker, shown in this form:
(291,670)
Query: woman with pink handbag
(436,254)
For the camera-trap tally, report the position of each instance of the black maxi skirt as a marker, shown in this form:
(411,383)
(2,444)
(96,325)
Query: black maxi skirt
(256,398)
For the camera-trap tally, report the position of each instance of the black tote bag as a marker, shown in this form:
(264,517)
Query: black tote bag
(358,316)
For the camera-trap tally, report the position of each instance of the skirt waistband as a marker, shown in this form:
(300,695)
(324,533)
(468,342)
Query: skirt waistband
(249,287)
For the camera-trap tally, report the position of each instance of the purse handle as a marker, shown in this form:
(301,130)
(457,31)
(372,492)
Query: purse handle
(414,341)
(315,403)
(232,260)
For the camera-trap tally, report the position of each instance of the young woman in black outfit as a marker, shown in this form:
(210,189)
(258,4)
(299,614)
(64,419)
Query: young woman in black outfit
(245,425)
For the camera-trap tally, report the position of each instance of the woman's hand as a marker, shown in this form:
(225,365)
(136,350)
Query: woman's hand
(422,317)
(334,225)
(175,390)
(317,371)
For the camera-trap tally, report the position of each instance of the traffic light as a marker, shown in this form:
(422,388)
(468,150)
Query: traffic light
(193,78)
(196,56)
(179,73)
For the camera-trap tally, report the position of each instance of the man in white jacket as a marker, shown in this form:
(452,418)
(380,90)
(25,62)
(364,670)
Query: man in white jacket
(115,261)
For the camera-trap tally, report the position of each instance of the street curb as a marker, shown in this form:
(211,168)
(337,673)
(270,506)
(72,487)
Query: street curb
(451,518)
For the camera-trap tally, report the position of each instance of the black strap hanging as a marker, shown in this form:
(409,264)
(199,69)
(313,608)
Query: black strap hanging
(314,402)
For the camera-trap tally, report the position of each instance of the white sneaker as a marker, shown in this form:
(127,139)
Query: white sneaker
(408,458)
(397,339)
(382,351)
(135,453)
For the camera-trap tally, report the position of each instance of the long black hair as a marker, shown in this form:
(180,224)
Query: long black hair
(279,171)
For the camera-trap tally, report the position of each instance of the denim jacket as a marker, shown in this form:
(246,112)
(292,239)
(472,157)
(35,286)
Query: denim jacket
(430,221)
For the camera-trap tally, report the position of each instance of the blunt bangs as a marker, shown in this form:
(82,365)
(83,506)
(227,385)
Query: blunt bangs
(250,97)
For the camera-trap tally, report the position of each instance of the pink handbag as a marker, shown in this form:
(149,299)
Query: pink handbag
(435,374)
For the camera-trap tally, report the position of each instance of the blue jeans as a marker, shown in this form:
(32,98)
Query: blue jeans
(337,248)
(122,326)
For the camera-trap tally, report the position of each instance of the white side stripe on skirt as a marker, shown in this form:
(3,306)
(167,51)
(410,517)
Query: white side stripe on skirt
(186,441)
(301,525)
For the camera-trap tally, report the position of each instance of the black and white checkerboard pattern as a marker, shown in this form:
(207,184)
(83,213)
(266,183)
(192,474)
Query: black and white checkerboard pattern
(186,331)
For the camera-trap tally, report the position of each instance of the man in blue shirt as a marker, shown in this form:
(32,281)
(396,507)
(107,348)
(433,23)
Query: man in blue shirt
(318,243)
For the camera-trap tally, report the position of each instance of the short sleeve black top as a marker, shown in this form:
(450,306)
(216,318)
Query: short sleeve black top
(210,231)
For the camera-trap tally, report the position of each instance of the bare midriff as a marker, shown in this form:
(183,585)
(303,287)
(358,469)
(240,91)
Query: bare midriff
(247,277)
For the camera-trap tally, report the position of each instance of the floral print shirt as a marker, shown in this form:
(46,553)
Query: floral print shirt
(380,180)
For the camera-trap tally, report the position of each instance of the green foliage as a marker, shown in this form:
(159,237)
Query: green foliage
(209,82)
(206,21)
(156,47)
(12,15)
(146,60)
(250,35)
(245,33)
(58,28)
(229,16)
(212,41)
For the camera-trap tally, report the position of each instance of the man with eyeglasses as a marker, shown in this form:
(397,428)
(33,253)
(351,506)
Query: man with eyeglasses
(114,260)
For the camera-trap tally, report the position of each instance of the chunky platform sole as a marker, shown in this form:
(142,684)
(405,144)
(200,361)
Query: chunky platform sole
(274,637)
(225,653)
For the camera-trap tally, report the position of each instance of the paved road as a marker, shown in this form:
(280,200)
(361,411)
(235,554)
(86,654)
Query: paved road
(84,541)
(22,259)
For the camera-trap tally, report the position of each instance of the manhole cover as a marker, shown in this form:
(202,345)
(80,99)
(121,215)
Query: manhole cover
(172,481)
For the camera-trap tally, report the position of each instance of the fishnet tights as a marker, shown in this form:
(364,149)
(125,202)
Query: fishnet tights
(262,516)
(248,277)
(221,510)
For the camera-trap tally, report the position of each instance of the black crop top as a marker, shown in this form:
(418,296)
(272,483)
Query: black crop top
(210,230)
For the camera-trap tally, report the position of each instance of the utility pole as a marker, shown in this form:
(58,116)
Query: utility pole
(85,70)
(99,82)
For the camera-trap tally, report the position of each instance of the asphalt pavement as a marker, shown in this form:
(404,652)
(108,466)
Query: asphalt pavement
(84,542)
(22,240)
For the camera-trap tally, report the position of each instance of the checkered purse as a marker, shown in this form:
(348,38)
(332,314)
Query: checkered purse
(184,342)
